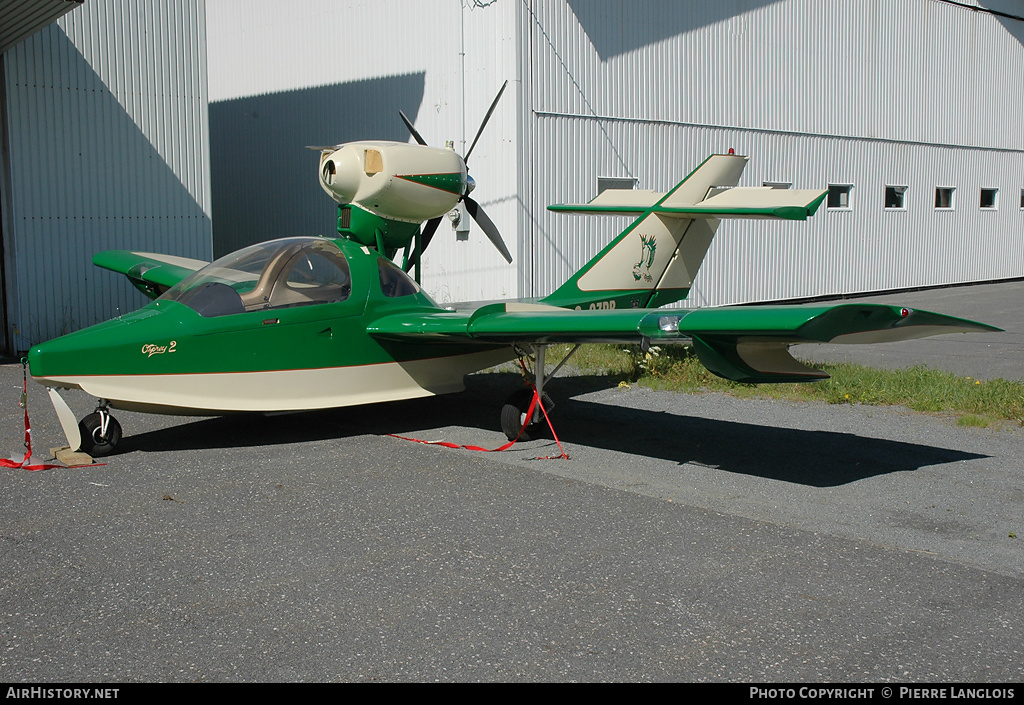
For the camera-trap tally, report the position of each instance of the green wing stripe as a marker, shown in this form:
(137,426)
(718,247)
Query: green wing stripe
(788,212)
(584,209)
(784,204)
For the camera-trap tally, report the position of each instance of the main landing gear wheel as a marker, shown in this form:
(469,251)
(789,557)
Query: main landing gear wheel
(100,433)
(513,414)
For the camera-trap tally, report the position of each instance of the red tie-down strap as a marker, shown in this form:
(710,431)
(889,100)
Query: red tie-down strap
(28,462)
(534,403)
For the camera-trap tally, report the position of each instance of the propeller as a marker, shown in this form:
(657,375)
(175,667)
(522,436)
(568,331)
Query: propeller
(416,135)
(490,111)
(472,207)
(487,225)
(425,237)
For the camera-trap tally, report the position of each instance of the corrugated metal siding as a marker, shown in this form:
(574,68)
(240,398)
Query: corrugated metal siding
(472,270)
(914,93)
(865,248)
(856,69)
(108,130)
(918,93)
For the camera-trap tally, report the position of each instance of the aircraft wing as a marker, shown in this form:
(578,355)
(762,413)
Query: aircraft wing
(743,343)
(150,273)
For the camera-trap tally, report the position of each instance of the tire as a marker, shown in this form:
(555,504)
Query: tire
(515,408)
(93,442)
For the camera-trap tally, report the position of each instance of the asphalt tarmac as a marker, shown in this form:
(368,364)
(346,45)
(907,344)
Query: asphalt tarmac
(687,538)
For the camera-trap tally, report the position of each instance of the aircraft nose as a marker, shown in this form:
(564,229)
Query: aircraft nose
(47,362)
(112,347)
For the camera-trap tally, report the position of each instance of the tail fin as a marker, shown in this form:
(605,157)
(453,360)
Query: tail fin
(654,261)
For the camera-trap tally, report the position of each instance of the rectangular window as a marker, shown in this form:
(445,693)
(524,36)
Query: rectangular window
(944,197)
(989,199)
(894,197)
(615,182)
(1022,198)
(778,184)
(839,196)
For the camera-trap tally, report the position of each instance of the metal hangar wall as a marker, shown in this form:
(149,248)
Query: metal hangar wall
(323,72)
(905,109)
(105,146)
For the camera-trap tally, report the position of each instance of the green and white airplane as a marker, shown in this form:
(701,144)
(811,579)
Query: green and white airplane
(314,323)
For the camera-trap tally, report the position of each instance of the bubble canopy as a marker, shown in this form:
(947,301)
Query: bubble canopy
(284,273)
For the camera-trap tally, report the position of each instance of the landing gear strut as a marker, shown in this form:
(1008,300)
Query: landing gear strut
(100,432)
(513,413)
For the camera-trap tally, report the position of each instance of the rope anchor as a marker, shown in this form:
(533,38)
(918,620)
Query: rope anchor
(535,404)
(29,462)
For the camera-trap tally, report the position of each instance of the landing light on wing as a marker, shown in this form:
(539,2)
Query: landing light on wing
(669,324)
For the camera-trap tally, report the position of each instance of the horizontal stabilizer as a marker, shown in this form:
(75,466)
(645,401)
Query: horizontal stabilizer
(614,202)
(783,204)
(150,273)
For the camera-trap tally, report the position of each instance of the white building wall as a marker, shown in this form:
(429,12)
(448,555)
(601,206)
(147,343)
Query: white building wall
(916,93)
(107,132)
(323,72)
(907,70)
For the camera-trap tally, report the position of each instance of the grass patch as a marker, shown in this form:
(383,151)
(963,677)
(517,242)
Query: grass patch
(973,420)
(676,368)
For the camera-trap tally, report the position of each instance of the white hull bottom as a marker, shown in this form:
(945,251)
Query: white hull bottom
(283,390)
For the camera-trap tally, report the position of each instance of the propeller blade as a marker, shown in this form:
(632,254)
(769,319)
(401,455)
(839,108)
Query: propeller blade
(428,233)
(488,226)
(425,237)
(487,117)
(416,135)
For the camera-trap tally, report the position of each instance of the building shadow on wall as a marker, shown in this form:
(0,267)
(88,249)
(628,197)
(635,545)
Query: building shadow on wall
(87,178)
(1010,14)
(616,28)
(263,180)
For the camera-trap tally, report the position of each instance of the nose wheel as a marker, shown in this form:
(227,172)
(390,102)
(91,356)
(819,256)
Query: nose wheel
(100,433)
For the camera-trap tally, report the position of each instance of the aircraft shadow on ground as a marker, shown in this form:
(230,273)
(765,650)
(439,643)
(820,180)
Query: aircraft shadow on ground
(812,458)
